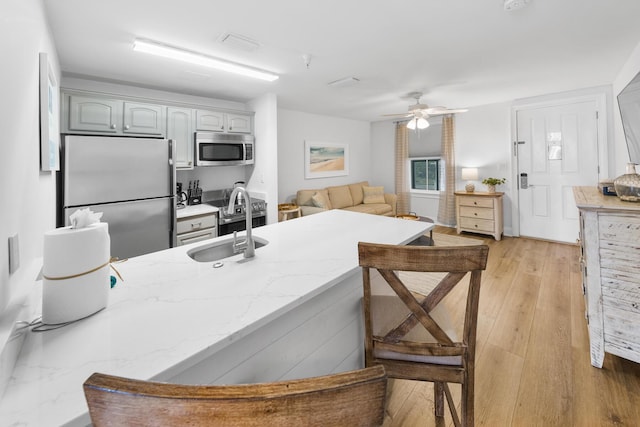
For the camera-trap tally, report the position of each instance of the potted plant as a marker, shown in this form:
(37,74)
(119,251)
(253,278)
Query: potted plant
(492,182)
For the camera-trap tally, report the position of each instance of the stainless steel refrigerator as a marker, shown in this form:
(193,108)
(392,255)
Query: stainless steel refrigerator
(130,180)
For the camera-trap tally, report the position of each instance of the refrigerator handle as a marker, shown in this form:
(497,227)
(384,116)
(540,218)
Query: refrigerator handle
(172,167)
(172,192)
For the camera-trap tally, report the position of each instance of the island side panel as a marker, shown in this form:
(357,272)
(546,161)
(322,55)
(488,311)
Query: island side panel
(322,336)
(619,271)
(591,242)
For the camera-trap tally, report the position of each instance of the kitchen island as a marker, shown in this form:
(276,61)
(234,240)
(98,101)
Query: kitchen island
(291,311)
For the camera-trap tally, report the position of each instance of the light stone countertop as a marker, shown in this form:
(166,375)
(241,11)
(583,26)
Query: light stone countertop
(172,312)
(194,210)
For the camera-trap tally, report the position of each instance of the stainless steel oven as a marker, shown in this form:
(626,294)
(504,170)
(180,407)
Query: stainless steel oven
(228,223)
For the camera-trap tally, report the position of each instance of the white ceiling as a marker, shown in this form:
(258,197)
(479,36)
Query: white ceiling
(460,53)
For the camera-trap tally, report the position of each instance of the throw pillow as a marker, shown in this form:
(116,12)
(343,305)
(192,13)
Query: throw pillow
(373,195)
(340,196)
(319,201)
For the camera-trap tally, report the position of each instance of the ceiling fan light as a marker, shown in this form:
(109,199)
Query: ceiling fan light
(422,123)
(411,124)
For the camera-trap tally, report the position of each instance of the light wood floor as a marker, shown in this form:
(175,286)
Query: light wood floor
(532,359)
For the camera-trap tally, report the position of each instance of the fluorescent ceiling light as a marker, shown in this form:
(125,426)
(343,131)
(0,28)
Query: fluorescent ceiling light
(199,59)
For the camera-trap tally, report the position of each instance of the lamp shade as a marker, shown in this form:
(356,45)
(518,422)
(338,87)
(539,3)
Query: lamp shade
(470,174)
(419,122)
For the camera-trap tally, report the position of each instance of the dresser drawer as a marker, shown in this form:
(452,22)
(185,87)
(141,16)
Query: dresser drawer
(482,202)
(475,212)
(194,223)
(477,224)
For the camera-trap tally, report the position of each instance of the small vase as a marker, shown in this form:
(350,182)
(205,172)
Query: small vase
(628,185)
(491,188)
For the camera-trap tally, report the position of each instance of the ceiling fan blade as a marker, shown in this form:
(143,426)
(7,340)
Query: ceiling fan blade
(398,114)
(438,111)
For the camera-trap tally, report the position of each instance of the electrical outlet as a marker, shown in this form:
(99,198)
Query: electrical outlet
(14,254)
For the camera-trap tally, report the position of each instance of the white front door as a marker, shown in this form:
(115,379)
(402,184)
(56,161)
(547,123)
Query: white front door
(557,149)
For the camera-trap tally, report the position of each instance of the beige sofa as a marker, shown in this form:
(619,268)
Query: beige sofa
(358,197)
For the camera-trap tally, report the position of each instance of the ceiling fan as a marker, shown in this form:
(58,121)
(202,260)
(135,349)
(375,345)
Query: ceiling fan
(419,113)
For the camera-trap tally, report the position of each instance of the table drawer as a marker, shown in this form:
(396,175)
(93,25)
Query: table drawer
(194,223)
(481,202)
(475,212)
(477,224)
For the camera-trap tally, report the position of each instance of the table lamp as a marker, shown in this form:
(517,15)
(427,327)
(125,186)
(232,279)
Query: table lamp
(470,174)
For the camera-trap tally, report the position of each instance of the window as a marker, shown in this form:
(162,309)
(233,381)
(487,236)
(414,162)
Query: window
(426,174)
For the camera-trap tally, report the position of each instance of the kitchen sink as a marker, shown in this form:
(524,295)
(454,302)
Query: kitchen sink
(219,249)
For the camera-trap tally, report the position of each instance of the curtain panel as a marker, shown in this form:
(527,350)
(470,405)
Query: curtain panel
(403,205)
(447,205)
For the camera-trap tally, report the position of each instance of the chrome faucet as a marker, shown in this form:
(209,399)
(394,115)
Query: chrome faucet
(247,245)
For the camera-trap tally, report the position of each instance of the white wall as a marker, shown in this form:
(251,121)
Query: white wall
(383,136)
(628,72)
(28,207)
(264,174)
(295,127)
(482,140)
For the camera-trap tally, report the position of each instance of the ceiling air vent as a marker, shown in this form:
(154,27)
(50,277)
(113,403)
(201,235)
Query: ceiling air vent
(347,81)
(236,41)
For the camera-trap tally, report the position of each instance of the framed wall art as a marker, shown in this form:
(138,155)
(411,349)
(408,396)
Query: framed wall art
(323,159)
(49,117)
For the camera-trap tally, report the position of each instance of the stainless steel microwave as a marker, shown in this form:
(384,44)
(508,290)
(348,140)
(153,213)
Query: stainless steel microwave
(223,149)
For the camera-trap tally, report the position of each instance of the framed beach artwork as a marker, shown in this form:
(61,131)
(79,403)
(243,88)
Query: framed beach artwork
(323,159)
(49,117)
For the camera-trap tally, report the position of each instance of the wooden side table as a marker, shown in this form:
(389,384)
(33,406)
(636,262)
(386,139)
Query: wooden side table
(287,211)
(479,212)
(422,240)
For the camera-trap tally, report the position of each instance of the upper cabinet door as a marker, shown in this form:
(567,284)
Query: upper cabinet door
(210,120)
(239,123)
(179,130)
(94,114)
(147,119)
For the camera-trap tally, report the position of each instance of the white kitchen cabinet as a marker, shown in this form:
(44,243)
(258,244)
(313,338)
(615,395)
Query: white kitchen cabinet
(180,130)
(194,228)
(609,236)
(100,114)
(95,114)
(196,236)
(145,119)
(217,121)
(239,123)
(213,121)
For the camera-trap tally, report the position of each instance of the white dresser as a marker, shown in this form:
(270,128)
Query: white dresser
(610,262)
(479,212)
